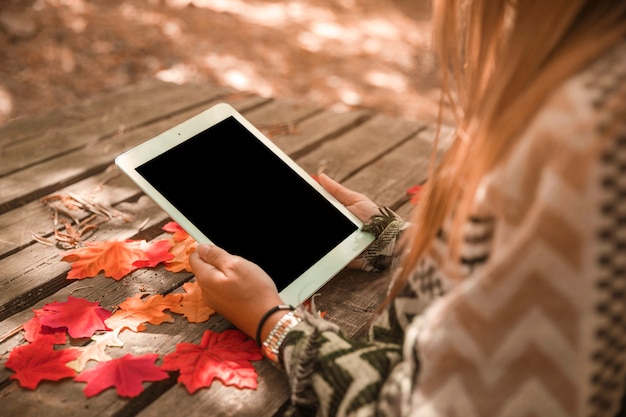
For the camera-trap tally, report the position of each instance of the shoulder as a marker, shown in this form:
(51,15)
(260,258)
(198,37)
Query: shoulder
(564,147)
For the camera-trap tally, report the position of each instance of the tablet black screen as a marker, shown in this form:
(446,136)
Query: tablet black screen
(248,201)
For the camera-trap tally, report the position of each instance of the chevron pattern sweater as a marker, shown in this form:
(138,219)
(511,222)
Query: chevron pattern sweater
(531,321)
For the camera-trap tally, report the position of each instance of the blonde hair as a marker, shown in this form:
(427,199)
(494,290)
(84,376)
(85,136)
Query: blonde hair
(500,59)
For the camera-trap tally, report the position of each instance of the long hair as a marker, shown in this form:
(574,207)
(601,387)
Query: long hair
(500,59)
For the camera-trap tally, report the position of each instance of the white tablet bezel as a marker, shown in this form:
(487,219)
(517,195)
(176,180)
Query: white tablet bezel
(312,279)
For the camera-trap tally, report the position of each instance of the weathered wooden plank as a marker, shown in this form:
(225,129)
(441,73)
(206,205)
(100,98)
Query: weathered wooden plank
(18,226)
(386,180)
(33,126)
(280,115)
(313,131)
(24,186)
(345,155)
(125,113)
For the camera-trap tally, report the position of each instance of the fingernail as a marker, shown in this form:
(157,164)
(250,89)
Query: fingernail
(203,249)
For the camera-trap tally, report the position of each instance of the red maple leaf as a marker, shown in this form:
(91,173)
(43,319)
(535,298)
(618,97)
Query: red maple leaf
(157,252)
(224,356)
(414,192)
(80,317)
(126,374)
(114,257)
(34,330)
(38,361)
(179,234)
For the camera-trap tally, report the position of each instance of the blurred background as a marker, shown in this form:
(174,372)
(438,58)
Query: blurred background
(341,54)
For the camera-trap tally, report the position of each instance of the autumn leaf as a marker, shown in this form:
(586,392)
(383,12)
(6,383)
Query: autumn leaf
(80,317)
(224,356)
(121,320)
(126,374)
(181,251)
(39,361)
(135,311)
(183,246)
(92,352)
(191,305)
(156,252)
(34,330)
(179,234)
(114,257)
(414,192)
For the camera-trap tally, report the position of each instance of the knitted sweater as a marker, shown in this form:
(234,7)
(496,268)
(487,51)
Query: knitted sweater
(531,321)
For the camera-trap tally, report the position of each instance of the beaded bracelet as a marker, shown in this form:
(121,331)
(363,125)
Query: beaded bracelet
(266,316)
(271,345)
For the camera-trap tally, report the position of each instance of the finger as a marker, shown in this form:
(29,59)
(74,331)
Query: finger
(200,267)
(211,254)
(345,195)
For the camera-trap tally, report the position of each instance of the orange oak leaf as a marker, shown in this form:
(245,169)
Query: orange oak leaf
(114,257)
(80,317)
(224,356)
(191,305)
(39,361)
(126,374)
(156,252)
(135,311)
(181,251)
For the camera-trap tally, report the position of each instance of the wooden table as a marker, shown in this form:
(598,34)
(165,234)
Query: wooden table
(72,150)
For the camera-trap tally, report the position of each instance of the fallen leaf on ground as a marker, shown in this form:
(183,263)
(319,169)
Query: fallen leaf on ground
(114,257)
(181,251)
(135,311)
(34,331)
(156,252)
(126,374)
(39,361)
(414,193)
(223,356)
(80,317)
(92,352)
(191,305)
(178,233)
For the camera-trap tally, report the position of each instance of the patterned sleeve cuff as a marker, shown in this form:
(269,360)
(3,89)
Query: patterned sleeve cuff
(386,227)
(315,355)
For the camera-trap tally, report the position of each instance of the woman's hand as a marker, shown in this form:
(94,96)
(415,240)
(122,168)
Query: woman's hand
(361,206)
(237,289)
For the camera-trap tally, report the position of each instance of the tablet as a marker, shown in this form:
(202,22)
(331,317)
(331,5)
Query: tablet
(226,183)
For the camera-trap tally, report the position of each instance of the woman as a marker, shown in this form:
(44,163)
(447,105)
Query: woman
(509,297)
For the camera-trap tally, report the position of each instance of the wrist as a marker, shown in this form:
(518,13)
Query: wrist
(270,323)
(269,320)
(274,340)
